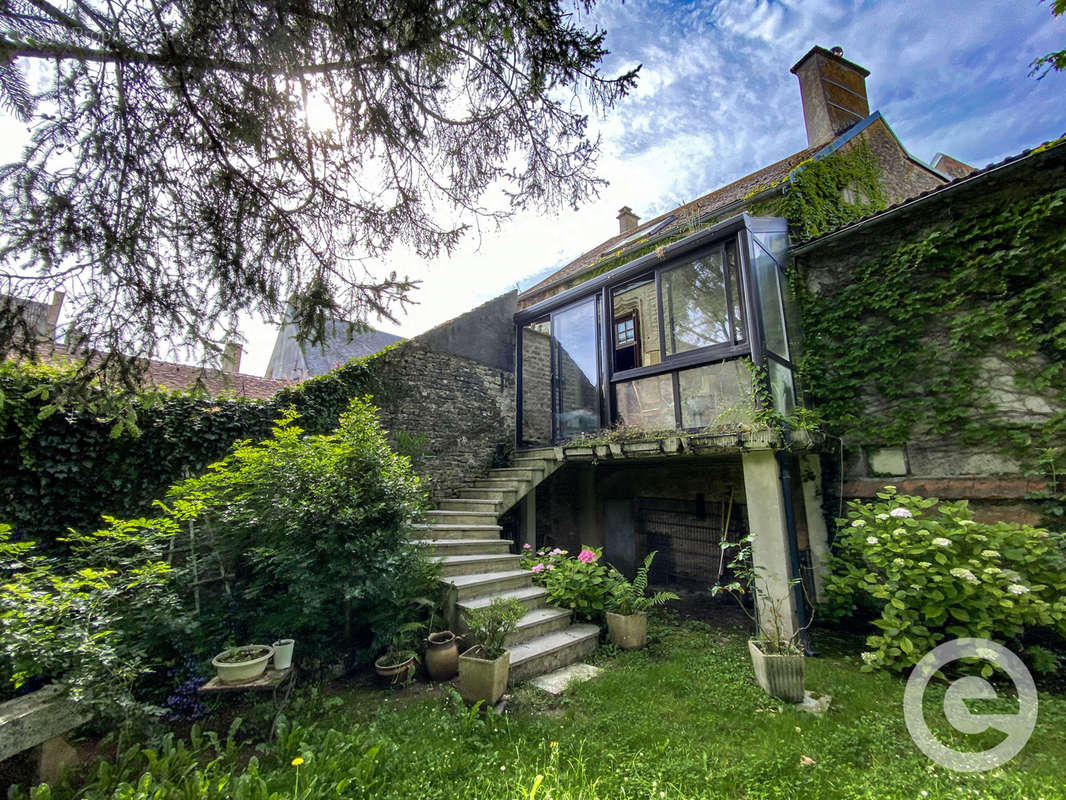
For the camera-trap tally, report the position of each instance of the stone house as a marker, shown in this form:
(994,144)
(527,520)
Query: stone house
(646,370)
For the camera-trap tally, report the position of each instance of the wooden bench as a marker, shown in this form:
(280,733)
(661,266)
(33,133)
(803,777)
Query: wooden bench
(41,718)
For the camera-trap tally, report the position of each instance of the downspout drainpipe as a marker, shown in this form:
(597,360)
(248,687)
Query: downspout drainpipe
(784,462)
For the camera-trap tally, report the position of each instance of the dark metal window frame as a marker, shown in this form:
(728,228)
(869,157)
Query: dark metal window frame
(741,229)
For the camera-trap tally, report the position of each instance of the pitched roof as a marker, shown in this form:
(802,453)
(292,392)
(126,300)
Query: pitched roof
(337,350)
(678,218)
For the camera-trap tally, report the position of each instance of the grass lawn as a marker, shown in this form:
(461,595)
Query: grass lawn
(682,719)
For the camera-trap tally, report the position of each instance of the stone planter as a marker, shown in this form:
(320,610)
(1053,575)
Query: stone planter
(442,656)
(780,676)
(672,445)
(616,449)
(481,679)
(642,448)
(602,451)
(579,453)
(628,631)
(245,669)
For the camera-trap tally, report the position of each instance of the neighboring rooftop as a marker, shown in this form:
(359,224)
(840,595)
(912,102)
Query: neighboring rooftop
(295,361)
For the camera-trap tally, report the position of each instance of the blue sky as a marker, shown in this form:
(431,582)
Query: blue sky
(716,101)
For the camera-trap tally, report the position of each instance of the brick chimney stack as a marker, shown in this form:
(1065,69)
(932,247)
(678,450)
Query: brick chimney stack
(231,358)
(833,91)
(627,220)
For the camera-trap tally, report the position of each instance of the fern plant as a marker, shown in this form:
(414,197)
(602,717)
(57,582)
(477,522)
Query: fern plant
(631,597)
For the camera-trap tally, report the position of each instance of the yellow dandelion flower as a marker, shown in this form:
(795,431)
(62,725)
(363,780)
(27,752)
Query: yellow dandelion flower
(553,744)
(297,761)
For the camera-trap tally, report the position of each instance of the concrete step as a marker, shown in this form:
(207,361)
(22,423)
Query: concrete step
(488,584)
(498,496)
(526,474)
(547,453)
(539,622)
(470,565)
(552,651)
(470,504)
(491,481)
(529,596)
(440,517)
(465,547)
(446,531)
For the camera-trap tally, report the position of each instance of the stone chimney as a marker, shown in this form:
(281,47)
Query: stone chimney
(627,220)
(833,91)
(231,357)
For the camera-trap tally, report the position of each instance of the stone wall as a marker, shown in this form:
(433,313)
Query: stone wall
(935,462)
(901,177)
(463,406)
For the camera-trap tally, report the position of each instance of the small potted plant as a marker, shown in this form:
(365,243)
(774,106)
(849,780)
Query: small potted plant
(399,663)
(628,603)
(485,667)
(776,653)
(242,664)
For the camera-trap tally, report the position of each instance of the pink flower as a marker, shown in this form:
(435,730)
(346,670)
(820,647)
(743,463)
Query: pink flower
(551,566)
(587,556)
(527,546)
(556,552)
(536,568)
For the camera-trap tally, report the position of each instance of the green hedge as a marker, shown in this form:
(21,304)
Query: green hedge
(63,469)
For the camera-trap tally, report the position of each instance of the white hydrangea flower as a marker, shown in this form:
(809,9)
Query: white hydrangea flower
(882,517)
(964,574)
(1017,588)
(925,564)
(859,523)
(868,657)
(871,540)
(899,532)
(900,512)
(992,570)
(990,553)
(899,562)
(940,541)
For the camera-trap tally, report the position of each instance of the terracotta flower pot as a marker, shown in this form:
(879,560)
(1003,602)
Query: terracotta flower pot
(780,676)
(628,631)
(395,674)
(442,656)
(481,679)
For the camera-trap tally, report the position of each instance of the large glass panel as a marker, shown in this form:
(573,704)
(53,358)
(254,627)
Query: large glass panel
(781,387)
(717,394)
(577,394)
(536,419)
(695,312)
(646,402)
(773,315)
(635,318)
(736,292)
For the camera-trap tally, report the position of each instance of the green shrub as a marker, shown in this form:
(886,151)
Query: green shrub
(490,625)
(99,621)
(931,572)
(579,583)
(313,534)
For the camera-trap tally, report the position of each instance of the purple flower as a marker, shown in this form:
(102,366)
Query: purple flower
(536,568)
(900,512)
(556,552)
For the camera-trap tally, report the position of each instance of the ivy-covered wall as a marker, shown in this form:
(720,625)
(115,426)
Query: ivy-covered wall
(66,469)
(941,328)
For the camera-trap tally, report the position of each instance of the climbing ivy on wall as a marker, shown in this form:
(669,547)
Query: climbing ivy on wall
(827,193)
(63,468)
(958,330)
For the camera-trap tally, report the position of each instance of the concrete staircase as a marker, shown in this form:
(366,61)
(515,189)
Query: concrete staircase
(477,565)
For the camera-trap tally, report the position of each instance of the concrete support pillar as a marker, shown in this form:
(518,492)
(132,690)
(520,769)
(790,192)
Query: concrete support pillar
(527,519)
(588,513)
(769,544)
(817,535)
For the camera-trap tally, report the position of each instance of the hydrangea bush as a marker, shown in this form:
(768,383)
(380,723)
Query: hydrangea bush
(580,583)
(932,573)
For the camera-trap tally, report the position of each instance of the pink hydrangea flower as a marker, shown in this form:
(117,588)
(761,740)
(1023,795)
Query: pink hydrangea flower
(556,552)
(551,566)
(536,568)
(527,546)
(586,555)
